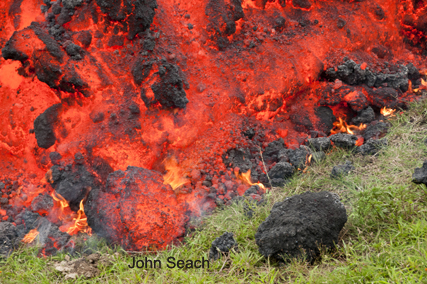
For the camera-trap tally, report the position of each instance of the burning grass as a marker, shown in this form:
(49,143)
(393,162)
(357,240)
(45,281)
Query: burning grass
(384,239)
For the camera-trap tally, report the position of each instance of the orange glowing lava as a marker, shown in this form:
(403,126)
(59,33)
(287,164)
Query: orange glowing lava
(175,175)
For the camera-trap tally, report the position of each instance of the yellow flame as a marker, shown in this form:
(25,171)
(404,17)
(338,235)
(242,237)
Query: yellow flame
(341,126)
(80,223)
(175,175)
(387,111)
(29,238)
(246,178)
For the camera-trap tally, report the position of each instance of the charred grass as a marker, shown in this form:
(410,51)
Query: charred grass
(384,240)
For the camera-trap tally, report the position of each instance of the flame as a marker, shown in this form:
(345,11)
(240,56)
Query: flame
(341,126)
(387,111)
(79,218)
(175,176)
(29,238)
(80,224)
(246,178)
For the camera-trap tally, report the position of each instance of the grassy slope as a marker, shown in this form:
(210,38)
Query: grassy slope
(384,240)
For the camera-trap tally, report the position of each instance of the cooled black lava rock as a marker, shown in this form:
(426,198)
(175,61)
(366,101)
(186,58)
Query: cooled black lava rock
(375,130)
(55,157)
(298,157)
(386,96)
(222,244)
(342,170)
(43,126)
(366,115)
(301,3)
(252,190)
(320,144)
(72,183)
(420,174)
(137,14)
(344,140)
(42,203)
(26,221)
(326,119)
(301,222)
(169,90)
(271,152)
(222,16)
(351,73)
(240,158)
(372,146)
(280,173)
(74,51)
(8,236)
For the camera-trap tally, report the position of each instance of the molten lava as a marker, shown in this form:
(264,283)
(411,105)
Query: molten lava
(30,237)
(129,117)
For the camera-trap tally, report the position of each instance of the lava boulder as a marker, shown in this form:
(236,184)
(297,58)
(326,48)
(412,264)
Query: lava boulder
(297,226)
(420,174)
(222,245)
(136,210)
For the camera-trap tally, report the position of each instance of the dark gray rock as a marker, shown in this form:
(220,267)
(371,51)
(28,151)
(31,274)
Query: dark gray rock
(301,222)
(298,157)
(372,146)
(222,244)
(375,130)
(420,174)
(342,170)
(344,140)
(252,190)
(43,126)
(320,144)
(280,173)
(364,116)
(8,236)
(42,203)
(271,152)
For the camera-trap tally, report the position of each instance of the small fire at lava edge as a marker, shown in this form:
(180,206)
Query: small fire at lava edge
(126,119)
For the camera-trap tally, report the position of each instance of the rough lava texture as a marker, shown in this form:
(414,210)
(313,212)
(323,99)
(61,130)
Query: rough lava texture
(372,146)
(222,244)
(43,127)
(342,170)
(420,174)
(136,210)
(8,236)
(297,226)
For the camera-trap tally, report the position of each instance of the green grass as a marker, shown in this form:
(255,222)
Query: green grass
(384,240)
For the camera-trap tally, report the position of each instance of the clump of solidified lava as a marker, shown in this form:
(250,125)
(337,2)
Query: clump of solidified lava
(136,210)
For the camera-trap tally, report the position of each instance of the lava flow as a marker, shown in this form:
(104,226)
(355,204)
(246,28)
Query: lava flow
(127,118)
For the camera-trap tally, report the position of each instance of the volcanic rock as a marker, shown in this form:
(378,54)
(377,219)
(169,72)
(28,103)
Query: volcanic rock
(366,115)
(372,146)
(222,245)
(420,174)
(301,222)
(42,203)
(344,140)
(252,190)
(320,144)
(72,183)
(386,96)
(342,170)
(326,118)
(356,100)
(26,221)
(74,51)
(280,173)
(298,157)
(8,236)
(271,152)
(240,158)
(43,126)
(136,210)
(375,130)
(169,90)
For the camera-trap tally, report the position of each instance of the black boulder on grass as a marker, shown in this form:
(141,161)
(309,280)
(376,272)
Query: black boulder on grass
(297,226)
(420,174)
(222,244)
